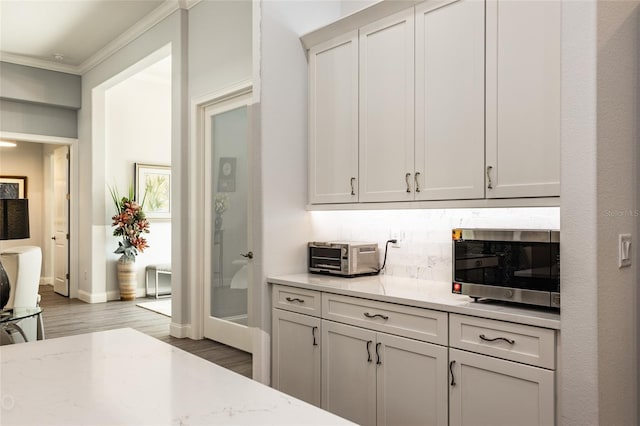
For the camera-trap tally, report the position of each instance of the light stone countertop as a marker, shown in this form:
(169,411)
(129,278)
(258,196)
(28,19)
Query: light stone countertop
(124,377)
(423,294)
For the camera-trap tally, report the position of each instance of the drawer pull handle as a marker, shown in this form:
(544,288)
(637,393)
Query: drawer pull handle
(369,350)
(294,299)
(453,378)
(378,362)
(368,315)
(313,333)
(487,339)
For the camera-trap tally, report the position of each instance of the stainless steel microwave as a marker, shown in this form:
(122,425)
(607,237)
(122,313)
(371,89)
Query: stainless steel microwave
(343,258)
(511,265)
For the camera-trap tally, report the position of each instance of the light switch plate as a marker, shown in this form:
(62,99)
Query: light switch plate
(624,250)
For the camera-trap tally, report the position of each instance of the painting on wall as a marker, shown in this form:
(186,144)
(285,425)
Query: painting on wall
(153,185)
(13,187)
(227,174)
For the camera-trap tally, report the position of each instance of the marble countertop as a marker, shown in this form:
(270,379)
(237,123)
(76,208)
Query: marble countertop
(423,294)
(124,377)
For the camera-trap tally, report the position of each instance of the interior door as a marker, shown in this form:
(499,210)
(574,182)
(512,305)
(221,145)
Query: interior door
(61,221)
(228,270)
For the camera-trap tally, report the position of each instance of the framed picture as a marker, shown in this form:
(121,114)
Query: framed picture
(153,185)
(227,174)
(13,187)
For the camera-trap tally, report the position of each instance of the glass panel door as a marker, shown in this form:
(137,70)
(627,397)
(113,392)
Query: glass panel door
(228,253)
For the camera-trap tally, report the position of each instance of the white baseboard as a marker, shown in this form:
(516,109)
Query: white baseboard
(92,297)
(180,330)
(46,280)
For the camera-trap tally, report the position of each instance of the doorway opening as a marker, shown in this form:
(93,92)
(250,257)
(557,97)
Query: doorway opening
(49,168)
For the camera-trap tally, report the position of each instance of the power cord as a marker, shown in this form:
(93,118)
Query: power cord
(386,247)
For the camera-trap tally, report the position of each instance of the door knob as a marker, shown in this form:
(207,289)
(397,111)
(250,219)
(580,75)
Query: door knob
(53,238)
(248,255)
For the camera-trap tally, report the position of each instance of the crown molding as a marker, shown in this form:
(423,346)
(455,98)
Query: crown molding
(38,63)
(139,28)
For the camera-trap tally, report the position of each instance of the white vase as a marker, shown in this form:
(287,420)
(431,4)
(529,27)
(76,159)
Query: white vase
(127,279)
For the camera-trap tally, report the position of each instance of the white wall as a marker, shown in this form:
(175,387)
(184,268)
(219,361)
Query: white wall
(27,159)
(618,134)
(600,105)
(138,130)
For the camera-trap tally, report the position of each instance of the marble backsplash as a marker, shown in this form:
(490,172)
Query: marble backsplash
(424,236)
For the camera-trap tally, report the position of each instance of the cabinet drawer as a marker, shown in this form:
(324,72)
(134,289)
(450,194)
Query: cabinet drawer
(421,324)
(516,342)
(297,300)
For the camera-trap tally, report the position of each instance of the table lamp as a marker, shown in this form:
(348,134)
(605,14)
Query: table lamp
(14,225)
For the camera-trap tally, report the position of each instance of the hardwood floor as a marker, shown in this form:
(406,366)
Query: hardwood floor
(66,317)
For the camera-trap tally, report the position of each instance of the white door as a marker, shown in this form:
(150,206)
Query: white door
(386,109)
(523,98)
(333,120)
(61,221)
(228,219)
(296,355)
(449,100)
(411,382)
(487,391)
(349,372)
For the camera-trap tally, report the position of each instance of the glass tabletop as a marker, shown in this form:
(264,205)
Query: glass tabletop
(17,313)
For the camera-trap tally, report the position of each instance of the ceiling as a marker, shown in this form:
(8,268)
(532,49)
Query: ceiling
(34,32)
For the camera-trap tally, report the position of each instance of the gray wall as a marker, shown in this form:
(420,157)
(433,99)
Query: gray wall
(37,101)
(28,84)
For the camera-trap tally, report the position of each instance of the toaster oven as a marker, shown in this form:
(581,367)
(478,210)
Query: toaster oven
(346,259)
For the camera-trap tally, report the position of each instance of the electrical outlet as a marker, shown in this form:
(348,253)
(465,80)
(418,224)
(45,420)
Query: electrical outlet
(399,237)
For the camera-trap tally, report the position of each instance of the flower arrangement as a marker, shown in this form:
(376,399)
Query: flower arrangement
(221,203)
(130,223)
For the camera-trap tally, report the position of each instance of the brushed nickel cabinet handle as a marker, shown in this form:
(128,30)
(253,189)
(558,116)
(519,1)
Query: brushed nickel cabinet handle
(313,333)
(369,342)
(488,339)
(406,178)
(415,178)
(353,188)
(489,183)
(294,299)
(378,361)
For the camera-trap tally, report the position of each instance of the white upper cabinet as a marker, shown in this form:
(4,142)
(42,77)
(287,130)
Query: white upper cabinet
(386,108)
(333,121)
(449,97)
(523,98)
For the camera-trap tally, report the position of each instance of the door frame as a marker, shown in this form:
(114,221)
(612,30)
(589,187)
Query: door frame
(74,192)
(195,260)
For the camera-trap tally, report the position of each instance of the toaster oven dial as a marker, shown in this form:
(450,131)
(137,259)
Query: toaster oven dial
(508,294)
(344,252)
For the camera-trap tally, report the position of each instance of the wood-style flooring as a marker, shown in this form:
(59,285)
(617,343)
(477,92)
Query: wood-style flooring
(66,317)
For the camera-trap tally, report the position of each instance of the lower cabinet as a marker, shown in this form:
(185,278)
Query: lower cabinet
(374,378)
(296,355)
(354,357)
(494,392)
